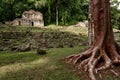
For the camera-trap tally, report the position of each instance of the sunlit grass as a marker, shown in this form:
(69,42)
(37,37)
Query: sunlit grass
(41,67)
(71,29)
(7,57)
(20,66)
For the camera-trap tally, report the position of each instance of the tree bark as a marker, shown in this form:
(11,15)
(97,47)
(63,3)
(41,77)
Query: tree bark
(104,52)
(90,26)
(57,15)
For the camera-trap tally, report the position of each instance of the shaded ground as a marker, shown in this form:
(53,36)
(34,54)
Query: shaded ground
(105,75)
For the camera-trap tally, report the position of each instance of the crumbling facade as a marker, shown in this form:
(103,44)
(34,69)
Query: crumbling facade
(30,18)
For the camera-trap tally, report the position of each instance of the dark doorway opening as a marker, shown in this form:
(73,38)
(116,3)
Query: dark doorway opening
(32,23)
(19,23)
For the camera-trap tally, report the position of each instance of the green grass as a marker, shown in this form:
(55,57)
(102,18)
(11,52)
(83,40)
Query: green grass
(32,66)
(7,57)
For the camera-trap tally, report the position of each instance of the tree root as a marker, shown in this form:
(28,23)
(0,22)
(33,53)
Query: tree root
(94,61)
(115,73)
(104,52)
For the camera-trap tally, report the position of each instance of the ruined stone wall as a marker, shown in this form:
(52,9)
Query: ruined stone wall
(38,23)
(30,18)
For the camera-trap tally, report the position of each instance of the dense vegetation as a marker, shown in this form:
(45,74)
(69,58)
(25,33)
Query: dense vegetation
(69,11)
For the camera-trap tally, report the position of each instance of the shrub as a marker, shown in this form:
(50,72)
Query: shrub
(41,51)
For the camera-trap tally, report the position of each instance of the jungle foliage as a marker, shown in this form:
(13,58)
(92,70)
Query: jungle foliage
(69,11)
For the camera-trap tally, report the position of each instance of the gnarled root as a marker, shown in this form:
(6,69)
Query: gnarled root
(94,60)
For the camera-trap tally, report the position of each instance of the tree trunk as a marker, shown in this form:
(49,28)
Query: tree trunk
(49,14)
(90,26)
(57,15)
(104,52)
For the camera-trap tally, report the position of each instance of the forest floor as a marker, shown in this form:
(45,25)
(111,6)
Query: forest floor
(51,66)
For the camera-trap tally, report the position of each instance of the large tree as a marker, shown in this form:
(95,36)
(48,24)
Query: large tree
(104,52)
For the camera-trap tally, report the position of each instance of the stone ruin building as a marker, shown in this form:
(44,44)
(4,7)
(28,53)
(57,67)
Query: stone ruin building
(29,18)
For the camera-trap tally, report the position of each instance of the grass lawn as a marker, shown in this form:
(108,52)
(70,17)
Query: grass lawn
(32,66)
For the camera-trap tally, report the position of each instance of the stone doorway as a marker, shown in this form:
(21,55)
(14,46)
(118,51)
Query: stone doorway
(32,23)
(20,23)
